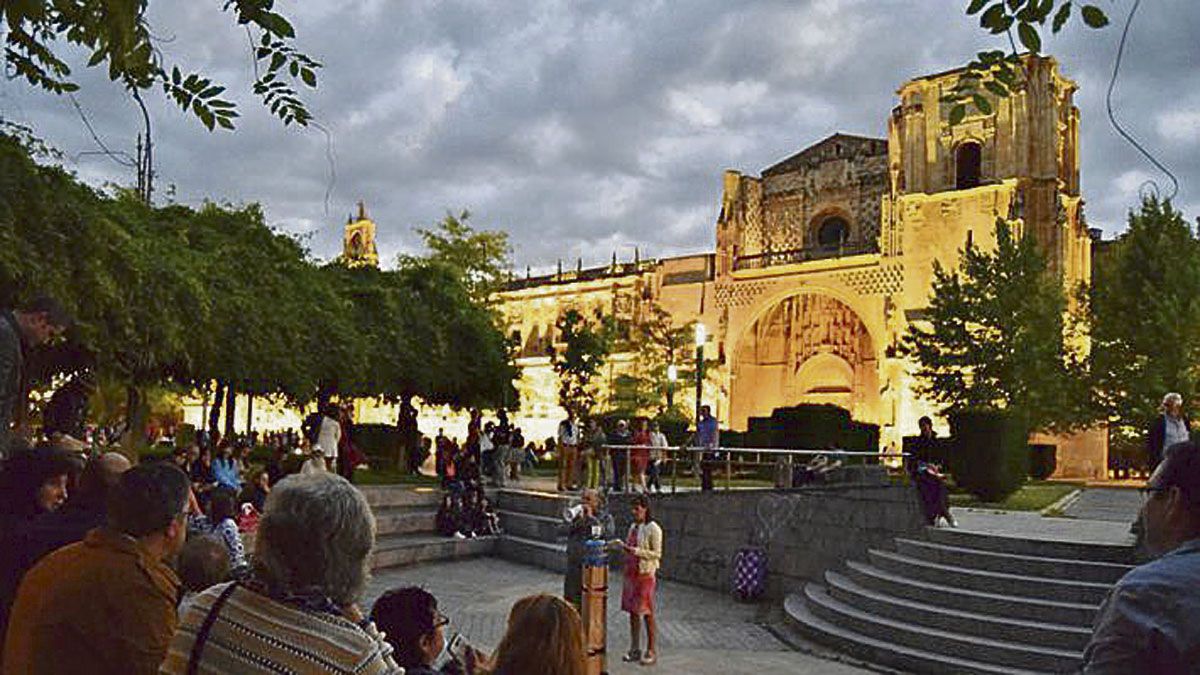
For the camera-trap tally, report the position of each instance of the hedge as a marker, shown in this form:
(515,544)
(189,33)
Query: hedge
(990,459)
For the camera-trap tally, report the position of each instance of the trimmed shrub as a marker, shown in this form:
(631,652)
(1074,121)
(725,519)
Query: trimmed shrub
(381,443)
(813,427)
(1043,460)
(990,459)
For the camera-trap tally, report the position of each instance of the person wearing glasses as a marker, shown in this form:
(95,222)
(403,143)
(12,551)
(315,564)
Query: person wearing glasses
(411,623)
(1150,622)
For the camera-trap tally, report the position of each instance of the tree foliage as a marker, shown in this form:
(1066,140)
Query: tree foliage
(481,258)
(586,344)
(999,72)
(191,296)
(1145,317)
(116,33)
(995,338)
(657,343)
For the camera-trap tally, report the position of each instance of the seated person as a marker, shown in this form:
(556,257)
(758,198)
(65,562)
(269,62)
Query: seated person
(448,516)
(203,562)
(413,626)
(221,522)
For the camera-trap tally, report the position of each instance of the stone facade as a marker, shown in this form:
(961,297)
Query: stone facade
(824,259)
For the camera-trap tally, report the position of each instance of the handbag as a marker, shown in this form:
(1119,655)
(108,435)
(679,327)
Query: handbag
(193,666)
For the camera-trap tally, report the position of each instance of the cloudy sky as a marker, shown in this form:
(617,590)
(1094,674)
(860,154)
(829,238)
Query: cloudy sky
(584,126)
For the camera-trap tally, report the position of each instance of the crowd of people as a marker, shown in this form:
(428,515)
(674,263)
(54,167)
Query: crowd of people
(590,458)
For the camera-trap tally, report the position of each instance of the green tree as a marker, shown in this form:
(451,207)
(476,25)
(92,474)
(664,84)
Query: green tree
(118,34)
(999,71)
(657,343)
(586,345)
(996,337)
(480,257)
(1145,317)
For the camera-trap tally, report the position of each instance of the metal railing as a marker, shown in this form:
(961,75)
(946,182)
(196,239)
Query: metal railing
(767,259)
(697,456)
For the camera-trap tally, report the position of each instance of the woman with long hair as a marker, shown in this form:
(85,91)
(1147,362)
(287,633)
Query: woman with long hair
(544,637)
(643,551)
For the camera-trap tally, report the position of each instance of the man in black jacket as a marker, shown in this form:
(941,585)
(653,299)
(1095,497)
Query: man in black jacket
(1167,429)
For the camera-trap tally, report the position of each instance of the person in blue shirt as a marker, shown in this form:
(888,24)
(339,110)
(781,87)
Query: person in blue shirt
(707,438)
(225,469)
(1150,622)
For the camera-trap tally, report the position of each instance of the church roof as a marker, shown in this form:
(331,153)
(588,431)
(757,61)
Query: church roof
(837,146)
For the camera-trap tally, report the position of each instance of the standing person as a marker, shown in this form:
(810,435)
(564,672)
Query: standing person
(1150,622)
(618,451)
(34,324)
(928,477)
(643,552)
(544,637)
(639,456)
(516,456)
(568,444)
(593,523)
(658,445)
(487,449)
(347,456)
(707,438)
(1168,428)
(107,604)
(501,438)
(597,463)
(329,436)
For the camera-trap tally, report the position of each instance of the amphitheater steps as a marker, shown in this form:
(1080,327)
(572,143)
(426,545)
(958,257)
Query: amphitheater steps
(966,602)
(532,525)
(405,531)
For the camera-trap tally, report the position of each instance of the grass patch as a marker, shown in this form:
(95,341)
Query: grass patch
(1033,496)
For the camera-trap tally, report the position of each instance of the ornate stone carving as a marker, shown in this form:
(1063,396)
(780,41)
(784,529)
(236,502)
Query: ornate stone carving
(884,280)
(739,294)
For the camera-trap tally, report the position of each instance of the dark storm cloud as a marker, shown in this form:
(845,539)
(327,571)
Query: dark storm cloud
(587,127)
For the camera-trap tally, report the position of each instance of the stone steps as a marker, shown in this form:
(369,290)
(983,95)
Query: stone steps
(383,496)
(1069,613)
(880,650)
(532,526)
(1052,635)
(399,550)
(544,504)
(964,602)
(404,520)
(1111,553)
(951,643)
(1021,585)
(1011,563)
(547,555)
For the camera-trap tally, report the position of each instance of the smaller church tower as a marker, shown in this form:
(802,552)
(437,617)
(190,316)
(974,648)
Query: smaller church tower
(358,241)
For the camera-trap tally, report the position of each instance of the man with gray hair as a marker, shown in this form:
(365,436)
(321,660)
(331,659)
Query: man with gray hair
(1150,622)
(298,612)
(590,521)
(1169,428)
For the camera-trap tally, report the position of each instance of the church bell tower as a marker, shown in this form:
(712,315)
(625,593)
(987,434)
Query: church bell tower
(358,241)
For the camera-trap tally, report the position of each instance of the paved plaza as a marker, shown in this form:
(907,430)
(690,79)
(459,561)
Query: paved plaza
(700,631)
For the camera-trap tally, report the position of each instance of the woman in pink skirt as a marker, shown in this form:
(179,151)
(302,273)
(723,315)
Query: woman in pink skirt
(643,551)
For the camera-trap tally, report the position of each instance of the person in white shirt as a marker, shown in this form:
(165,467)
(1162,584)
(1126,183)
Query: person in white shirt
(329,436)
(658,441)
(568,453)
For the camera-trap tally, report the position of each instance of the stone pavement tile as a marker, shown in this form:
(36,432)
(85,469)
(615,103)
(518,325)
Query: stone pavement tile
(1119,505)
(700,631)
(1028,525)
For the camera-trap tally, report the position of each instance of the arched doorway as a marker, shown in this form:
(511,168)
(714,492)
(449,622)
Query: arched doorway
(808,348)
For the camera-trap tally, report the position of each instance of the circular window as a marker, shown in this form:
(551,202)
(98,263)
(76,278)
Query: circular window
(834,232)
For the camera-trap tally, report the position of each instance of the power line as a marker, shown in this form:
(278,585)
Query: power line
(1112,118)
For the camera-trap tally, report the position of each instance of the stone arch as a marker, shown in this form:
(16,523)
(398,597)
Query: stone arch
(804,348)
(830,228)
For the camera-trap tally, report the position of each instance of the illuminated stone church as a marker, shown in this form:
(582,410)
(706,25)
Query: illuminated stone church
(824,258)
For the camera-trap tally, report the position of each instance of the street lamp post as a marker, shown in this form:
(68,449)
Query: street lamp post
(672,376)
(700,338)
